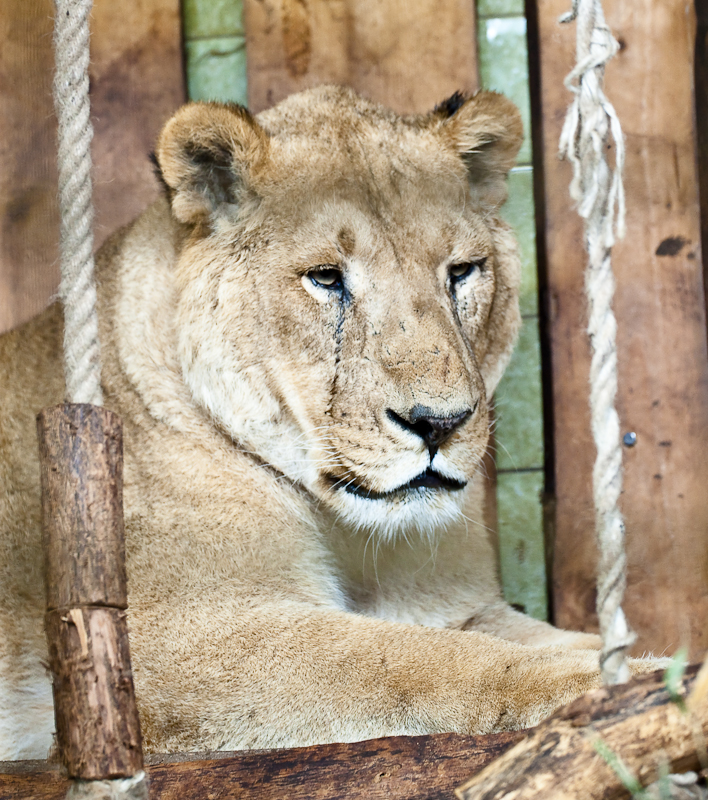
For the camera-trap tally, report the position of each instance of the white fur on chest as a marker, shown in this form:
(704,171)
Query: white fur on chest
(27,713)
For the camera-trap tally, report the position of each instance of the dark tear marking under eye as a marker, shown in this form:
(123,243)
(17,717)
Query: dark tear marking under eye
(451,105)
(339,326)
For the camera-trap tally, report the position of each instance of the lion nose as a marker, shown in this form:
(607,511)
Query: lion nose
(432,429)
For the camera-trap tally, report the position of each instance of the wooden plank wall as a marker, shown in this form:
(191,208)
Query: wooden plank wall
(406,54)
(136,82)
(663,359)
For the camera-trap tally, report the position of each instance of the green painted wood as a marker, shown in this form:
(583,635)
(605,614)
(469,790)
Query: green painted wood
(503,66)
(518,211)
(215,50)
(206,19)
(500,8)
(521,549)
(519,405)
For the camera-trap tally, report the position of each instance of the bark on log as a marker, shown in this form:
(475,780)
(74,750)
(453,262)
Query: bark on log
(82,504)
(81,463)
(638,722)
(394,768)
(94,706)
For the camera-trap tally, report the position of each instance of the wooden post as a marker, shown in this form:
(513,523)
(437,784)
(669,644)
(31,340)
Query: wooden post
(661,338)
(81,464)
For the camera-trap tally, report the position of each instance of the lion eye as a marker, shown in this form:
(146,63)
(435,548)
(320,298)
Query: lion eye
(460,271)
(328,277)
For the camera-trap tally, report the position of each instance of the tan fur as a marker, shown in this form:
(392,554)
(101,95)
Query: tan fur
(269,606)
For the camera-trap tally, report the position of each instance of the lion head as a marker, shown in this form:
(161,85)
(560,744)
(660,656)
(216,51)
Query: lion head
(347,291)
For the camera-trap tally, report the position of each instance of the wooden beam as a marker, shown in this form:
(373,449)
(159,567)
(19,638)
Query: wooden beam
(659,304)
(137,81)
(407,54)
(397,768)
(574,755)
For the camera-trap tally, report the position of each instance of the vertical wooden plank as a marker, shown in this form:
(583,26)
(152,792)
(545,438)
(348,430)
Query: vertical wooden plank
(215,50)
(663,359)
(29,214)
(406,54)
(701,84)
(136,82)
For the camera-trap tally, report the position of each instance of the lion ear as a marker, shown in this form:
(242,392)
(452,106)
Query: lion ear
(486,131)
(207,155)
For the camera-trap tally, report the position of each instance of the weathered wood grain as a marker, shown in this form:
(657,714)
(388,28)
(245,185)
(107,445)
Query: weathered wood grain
(81,469)
(94,701)
(407,54)
(396,768)
(29,212)
(663,359)
(701,89)
(637,722)
(137,81)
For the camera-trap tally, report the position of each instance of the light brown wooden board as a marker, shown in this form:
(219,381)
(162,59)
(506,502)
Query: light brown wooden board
(136,82)
(406,54)
(29,222)
(638,722)
(663,361)
(701,88)
(396,768)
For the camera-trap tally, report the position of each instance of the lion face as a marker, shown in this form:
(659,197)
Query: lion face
(347,292)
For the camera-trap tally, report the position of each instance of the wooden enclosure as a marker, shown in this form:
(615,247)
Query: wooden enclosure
(660,309)
(410,55)
(137,81)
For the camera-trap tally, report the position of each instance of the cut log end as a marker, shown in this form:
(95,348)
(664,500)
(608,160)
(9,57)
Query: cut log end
(582,751)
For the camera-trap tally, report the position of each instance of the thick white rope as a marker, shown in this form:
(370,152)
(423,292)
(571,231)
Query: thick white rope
(598,190)
(82,364)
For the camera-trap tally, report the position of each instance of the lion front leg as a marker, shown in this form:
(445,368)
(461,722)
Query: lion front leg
(500,619)
(284,675)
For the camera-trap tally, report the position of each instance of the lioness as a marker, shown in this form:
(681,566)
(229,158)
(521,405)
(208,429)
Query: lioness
(302,338)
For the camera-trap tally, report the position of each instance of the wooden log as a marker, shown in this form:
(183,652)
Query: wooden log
(395,768)
(82,505)
(94,705)
(81,463)
(638,722)
(661,340)
(407,54)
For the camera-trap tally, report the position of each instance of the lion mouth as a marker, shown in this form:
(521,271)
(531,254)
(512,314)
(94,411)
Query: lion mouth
(430,479)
